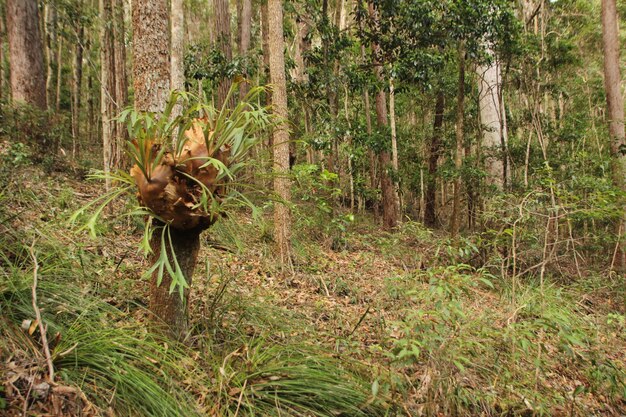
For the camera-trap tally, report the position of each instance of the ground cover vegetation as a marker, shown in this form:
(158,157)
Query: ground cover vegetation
(312,208)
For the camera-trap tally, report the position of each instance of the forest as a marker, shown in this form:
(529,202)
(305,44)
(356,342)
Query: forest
(312,208)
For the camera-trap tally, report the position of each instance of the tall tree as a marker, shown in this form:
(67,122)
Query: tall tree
(28,84)
(177,49)
(121,81)
(151,55)
(50,30)
(245,30)
(455,220)
(491,118)
(615,105)
(224,44)
(151,75)
(282,183)
(108,88)
(430,197)
(77,79)
(390,209)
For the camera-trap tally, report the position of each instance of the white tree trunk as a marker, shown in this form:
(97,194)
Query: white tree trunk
(176,59)
(489,85)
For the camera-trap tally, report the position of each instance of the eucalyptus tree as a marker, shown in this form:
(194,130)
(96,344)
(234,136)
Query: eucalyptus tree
(25,53)
(282,183)
(615,106)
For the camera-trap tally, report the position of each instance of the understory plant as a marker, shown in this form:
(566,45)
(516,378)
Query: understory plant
(184,171)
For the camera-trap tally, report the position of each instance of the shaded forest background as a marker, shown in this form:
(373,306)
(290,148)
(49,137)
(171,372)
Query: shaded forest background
(416,207)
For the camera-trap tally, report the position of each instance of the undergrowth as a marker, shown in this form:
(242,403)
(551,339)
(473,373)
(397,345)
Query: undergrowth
(372,323)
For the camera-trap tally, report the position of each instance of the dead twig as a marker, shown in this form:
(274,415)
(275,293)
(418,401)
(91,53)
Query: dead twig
(42,329)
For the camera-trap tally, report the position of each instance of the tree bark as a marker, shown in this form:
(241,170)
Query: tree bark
(245,30)
(170,310)
(177,48)
(121,82)
(27,80)
(50,30)
(430,203)
(489,82)
(282,183)
(3,35)
(151,74)
(223,43)
(57,101)
(394,139)
(77,79)
(455,221)
(151,57)
(615,113)
(368,124)
(390,210)
(107,89)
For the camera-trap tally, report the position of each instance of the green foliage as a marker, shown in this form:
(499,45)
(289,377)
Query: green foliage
(459,343)
(236,128)
(317,189)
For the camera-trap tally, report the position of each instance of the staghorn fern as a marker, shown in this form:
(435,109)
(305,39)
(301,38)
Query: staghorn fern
(181,168)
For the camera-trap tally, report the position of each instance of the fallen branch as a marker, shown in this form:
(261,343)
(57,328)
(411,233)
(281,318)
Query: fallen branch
(42,329)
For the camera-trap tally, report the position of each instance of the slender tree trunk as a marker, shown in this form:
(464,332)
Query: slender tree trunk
(57,101)
(245,30)
(107,88)
(368,121)
(489,101)
(121,82)
(50,29)
(394,139)
(390,210)
(176,61)
(223,42)
(266,48)
(3,35)
(91,112)
(28,84)
(615,105)
(77,90)
(455,221)
(282,183)
(430,203)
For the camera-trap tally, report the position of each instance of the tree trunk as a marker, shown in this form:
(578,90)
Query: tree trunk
(77,90)
(615,107)
(489,101)
(151,74)
(394,139)
(455,221)
(368,122)
(265,43)
(50,30)
(151,56)
(245,28)
(2,58)
(170,310)
(282,183)
(430,203)
(223,43)
(57,101)
(28,84)
(107,89)
(177,49)
(390,210)
(121,82)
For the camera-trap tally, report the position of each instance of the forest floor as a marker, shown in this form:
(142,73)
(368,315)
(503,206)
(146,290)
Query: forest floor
(418,321)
